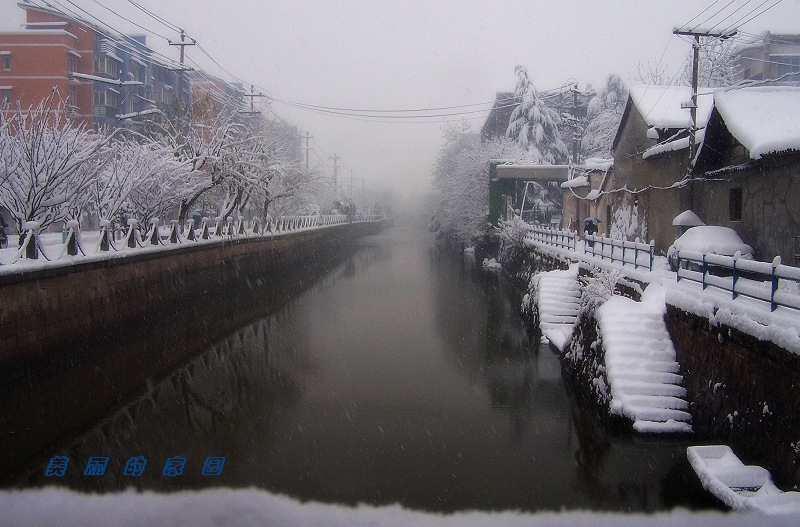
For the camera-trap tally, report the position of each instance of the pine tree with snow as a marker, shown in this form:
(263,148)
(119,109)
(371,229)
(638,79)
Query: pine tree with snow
(535,126)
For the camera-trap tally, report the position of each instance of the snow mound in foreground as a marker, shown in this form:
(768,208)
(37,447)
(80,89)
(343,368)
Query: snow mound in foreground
(228,507)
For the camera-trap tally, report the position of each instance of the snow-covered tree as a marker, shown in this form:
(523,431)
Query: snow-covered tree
(132,164)
(48,163)
(461,181)
(604,113)
(717,66)
(275,181)
(535,126)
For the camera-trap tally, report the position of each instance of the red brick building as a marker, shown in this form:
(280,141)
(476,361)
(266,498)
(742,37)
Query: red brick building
(41,57)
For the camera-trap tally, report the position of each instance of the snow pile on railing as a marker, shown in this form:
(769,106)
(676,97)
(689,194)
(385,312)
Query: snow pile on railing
(75,246)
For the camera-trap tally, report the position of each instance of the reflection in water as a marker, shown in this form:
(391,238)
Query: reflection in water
(404,375)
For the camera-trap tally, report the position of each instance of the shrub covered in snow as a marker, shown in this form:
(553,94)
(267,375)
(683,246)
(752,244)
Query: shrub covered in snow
(597,288)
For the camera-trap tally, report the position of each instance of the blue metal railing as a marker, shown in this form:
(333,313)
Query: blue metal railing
(740,277)
(621,250)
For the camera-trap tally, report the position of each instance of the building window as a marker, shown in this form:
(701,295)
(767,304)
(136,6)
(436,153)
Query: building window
(72,63)
(106,66)
(107,98)
(735,204)
(6,61)
(5,95)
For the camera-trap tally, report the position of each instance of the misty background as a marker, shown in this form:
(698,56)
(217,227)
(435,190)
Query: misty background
(382,56)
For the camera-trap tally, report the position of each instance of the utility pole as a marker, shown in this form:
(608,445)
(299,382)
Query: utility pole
(364,193)
(351,185)
(252,96)
(574,90)
(182,69)
(693,104)
(307,136)
(336,159)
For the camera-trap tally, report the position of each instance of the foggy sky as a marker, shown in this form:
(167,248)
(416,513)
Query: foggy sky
(399,54)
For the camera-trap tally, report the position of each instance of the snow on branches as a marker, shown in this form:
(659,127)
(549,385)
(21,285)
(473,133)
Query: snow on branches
(52,169)
(48,163)
(460,178)
(604,114)
(535,126)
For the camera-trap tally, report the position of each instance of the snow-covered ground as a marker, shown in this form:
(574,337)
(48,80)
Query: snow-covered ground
(246,508)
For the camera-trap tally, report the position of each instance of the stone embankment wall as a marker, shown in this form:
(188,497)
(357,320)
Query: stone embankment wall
(47,309)
(743,392)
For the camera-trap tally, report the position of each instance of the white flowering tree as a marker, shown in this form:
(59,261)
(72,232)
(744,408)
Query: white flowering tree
(535,126)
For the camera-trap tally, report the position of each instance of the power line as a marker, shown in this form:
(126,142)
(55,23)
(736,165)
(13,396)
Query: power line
(729,15)
(124,18)
(712,16)
(695,17)
(135,50)
(164,22)
(759,14)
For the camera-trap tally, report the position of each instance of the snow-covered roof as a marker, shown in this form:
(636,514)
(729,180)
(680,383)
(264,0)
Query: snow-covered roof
(763,119)
(578,181)
(660,106)
(671,146)
(597,163)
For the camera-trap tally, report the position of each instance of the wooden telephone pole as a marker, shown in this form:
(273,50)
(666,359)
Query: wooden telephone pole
(693,104)
(182,69)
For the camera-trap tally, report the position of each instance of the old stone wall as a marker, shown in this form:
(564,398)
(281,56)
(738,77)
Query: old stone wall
(743,392)
(46,310)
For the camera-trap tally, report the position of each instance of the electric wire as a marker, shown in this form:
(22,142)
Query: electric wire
(757,15)
(731,14)
(166,23)
(713,15)
(698,15)
(124,18)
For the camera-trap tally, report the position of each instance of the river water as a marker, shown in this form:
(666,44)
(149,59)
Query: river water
(403,375)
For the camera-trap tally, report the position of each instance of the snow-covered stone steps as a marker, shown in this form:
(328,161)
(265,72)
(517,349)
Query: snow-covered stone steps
(627,387)
(631,374)
(657,427)
(659,401)
(641,368)
(649,365)
(643,353)
(558,301)
(636,413)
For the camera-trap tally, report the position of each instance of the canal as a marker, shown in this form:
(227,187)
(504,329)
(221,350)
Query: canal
(401,375)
